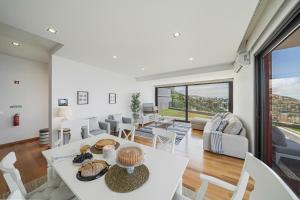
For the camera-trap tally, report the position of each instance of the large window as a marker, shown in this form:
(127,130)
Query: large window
(186,102)
(207,100)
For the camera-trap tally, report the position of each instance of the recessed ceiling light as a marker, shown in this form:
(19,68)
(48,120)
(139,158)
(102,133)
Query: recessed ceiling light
(115,57)
(16,44)
(51,30)
(176,34)
(191,59)
(143,69)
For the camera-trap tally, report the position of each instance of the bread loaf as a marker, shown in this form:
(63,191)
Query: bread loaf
(92,168)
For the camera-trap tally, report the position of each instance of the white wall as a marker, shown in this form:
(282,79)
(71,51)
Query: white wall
(244,100)
(31,93)
(69,76)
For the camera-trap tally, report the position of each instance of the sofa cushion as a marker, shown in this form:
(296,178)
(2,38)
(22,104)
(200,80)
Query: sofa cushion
(216,116)
(93,124)
(234,126)
(216,123)
(228,116)
(222,125)
(278,138)
(243,132)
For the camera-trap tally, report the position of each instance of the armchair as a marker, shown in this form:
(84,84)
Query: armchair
(148,114)
(95,127)
(146,118)
(115,120)
(149,108)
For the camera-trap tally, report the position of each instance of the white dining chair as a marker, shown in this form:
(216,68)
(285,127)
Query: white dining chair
(54,189)
(165,138)
(128,130)
(267,184)
(75,127)
(16,195)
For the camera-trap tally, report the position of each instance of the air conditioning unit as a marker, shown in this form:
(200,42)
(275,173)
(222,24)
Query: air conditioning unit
(236,67)
(242,60)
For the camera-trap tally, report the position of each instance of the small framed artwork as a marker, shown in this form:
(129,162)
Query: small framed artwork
(112,99)
(82,97)
(62,102)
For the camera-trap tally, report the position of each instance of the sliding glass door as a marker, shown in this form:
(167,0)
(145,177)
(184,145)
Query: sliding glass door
(278,95)
(187,102)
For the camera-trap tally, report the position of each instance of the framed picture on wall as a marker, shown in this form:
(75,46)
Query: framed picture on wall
(112,99)
(62,102)
(82,97)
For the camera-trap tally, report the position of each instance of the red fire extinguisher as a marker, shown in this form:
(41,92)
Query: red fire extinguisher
(16,120)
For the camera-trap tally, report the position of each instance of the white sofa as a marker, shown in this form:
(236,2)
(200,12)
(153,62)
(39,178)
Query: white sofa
(232,144)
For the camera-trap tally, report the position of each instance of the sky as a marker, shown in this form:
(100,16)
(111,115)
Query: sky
(220,90)
(286,72)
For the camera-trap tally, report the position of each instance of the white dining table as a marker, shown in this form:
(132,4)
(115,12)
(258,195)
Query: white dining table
(165,170)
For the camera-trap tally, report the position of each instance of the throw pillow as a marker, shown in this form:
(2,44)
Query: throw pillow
(233,128)
(222,125)
(278,138)
(215,116)
(216,123)
(93,124)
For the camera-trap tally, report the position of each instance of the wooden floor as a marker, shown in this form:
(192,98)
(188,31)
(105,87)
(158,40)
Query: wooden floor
(32,165)
(30,161)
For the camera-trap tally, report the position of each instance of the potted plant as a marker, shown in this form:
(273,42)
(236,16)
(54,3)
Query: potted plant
(135,106)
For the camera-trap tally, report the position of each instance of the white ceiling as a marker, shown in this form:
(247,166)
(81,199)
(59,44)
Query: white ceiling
(31,46)
(139,32)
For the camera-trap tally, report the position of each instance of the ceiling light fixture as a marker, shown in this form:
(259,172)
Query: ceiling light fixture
(16,44)
(191,58)
(51,30)
(143,69)
(115,57)
(176,34)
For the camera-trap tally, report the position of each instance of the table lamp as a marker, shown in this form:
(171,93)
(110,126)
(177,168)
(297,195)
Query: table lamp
(64,112)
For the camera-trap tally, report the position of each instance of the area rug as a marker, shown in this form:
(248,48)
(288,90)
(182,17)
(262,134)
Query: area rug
(180,128)
(30,186)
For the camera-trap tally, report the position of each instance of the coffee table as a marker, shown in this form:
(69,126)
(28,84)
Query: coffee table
(164,122)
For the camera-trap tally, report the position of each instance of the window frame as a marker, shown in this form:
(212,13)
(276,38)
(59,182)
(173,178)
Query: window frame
(230,94)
